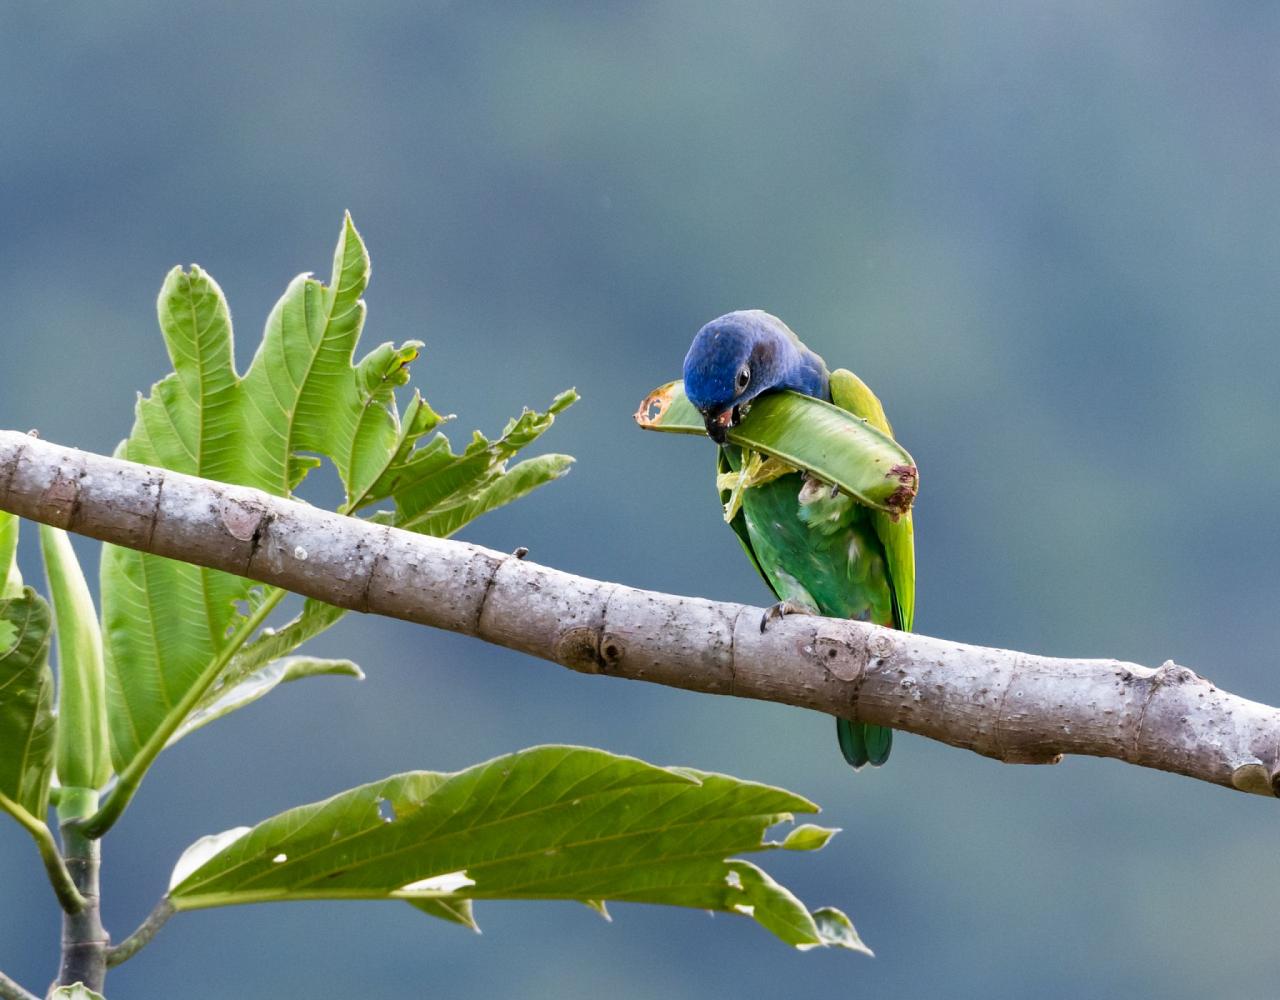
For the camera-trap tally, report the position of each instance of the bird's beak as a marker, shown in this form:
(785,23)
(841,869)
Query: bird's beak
(719,423)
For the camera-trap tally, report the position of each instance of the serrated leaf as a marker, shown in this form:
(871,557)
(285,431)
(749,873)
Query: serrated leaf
(303,396)
(504,488)
(226,699)
(434,478)
(805,433)
(551,822)
(78,991)
(165,621)
(27,722)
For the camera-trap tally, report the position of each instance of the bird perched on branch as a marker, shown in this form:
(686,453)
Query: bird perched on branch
(818,550)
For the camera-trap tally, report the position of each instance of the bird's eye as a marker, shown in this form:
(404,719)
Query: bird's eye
(744,377)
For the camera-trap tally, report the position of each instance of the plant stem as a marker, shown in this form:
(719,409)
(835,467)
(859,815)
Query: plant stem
(84,939)
(131,777)
(140,938)
(63,886)
(9,990)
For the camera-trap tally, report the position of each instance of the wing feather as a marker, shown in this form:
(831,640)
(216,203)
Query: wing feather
(850,393)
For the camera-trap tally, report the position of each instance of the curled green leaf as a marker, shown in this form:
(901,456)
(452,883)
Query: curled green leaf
(10,578)
(805,433)
(83,750)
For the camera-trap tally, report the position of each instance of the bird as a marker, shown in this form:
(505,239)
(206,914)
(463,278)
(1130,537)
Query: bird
(819,551)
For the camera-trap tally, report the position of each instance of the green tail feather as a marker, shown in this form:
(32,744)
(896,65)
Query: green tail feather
(862,743)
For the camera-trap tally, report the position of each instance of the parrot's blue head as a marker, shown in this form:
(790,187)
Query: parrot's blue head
(736,357)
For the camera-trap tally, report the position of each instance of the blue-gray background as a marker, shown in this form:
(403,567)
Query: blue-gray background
(1046,233)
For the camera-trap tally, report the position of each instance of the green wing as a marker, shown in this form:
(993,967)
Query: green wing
(898,537)
(803,555)
(862,743)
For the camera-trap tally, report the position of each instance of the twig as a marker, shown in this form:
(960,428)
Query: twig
(131,777)
(64,887)
(9,990)
(141,937)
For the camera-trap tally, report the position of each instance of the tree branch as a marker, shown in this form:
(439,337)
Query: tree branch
(84,939)
(141,937)
(1015,707)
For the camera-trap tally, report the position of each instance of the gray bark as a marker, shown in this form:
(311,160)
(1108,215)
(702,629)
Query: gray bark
(84,939)
(1012,706)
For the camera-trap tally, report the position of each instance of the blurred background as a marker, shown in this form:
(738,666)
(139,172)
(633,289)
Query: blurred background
(1046,233)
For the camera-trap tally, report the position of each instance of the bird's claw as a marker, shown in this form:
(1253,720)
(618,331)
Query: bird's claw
(781,610)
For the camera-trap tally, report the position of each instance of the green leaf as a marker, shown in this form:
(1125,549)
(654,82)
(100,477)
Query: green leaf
(837,931)
(165,621)
(304,397)
(808,837)
(498,491)
(10,578)
(433,480)
(274,643)
(79,991)
(26,704)
(438,492)
(805,433)
(551,822)
(83,753)
(457,911)
(225,699)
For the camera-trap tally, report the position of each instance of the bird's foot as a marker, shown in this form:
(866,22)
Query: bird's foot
(782,609)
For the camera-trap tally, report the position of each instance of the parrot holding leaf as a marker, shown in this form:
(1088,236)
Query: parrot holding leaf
(819,550)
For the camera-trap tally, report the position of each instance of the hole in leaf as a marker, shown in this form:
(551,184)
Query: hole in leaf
(386,810)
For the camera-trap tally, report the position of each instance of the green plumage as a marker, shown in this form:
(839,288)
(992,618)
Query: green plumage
(830,554)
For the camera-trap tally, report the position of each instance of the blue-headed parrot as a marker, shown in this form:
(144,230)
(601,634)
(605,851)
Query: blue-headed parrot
(818,550)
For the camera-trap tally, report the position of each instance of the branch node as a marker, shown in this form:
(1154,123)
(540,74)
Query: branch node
(1253,777)
(578,648)
(60,498)
(241,519)
(840,658)
(612,650)
(879,646)
(1171,673)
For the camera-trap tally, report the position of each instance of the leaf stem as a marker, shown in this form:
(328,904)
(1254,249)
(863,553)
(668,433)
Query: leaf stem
(141,937)
(131,777)
(64,888)
(9,990)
